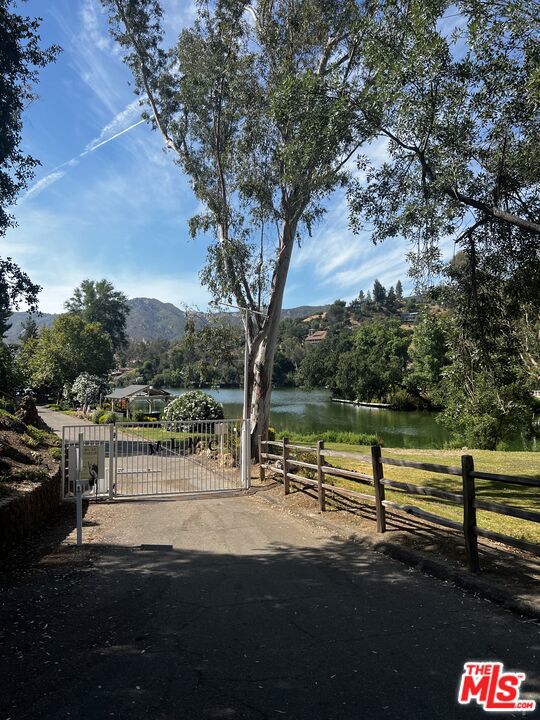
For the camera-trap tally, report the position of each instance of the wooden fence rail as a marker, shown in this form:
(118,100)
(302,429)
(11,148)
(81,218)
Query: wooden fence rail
(286,461)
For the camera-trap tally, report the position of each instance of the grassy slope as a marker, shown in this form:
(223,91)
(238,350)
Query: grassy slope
(510,463)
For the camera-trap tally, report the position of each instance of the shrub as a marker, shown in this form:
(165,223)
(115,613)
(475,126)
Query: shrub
(32,474)
(98,414)
(307,457)
(56,453)
(271,433)
(42,437)
(402,400)
(87,388)
(6,404)
(194,405)
(29,441)
(7,414)
(107,418)
(138,416)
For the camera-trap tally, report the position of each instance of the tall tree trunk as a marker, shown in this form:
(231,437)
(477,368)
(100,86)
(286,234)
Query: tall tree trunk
(263,341)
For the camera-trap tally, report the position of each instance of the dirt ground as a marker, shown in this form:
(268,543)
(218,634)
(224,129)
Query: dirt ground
(25,458)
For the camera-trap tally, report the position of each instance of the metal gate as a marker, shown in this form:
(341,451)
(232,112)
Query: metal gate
(155,458)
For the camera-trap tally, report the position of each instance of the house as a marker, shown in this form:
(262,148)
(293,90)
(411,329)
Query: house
(316,336)
(139,398)
(119,371)
(409,318)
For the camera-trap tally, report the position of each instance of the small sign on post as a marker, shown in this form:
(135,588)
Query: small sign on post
(86,462)
(86,469)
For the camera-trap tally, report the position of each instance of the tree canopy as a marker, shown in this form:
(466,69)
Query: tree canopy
(21,56)
(65,350)
(15,287)
(456,96)
(98,301)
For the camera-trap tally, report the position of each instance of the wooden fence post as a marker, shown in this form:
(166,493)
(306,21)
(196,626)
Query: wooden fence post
(378,475)
(262,469)
(285,466)
(320,476)
(469,513)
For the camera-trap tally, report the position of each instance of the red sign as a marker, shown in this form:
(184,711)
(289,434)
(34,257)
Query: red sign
(489,685)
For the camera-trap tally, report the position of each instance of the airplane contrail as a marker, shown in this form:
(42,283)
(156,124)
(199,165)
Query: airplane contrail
(55,175)
(113,137)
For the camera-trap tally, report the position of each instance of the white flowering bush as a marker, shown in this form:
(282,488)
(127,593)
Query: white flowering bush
(87,388)
(194,405)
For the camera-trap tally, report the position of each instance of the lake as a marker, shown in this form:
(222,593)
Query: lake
(313,411)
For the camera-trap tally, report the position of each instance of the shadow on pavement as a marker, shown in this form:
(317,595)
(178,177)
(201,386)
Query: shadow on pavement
(283,631)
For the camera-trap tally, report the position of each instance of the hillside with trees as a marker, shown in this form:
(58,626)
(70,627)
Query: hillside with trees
(151,319)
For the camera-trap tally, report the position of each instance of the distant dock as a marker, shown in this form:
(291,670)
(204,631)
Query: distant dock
(357,403)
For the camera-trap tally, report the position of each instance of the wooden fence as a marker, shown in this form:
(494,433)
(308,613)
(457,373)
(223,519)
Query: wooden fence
(285,459)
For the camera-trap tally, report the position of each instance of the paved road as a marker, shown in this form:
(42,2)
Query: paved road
(251,614)
(57,420)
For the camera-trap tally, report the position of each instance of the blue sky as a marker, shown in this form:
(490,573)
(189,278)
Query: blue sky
(109,202)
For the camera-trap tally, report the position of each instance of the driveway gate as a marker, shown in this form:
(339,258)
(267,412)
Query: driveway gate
(154,458)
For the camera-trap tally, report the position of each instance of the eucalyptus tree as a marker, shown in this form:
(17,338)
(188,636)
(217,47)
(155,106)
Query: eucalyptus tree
(257,102)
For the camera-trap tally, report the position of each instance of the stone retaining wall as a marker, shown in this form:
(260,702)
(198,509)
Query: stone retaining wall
(22,514)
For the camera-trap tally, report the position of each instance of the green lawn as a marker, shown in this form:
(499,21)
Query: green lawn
(526,464)
(231,443)
(158,433)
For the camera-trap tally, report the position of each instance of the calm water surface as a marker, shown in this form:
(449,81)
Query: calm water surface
(313,411)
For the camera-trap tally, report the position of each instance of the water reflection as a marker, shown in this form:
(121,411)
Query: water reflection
(313,411)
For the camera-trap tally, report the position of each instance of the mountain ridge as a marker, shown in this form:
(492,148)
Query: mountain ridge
(152,319)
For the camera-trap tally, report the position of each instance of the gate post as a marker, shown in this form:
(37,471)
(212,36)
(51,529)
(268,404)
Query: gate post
(63,465)
(246,454)
(111,461)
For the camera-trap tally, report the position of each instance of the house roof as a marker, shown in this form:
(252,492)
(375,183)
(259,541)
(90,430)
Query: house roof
(133,390)
(317,336)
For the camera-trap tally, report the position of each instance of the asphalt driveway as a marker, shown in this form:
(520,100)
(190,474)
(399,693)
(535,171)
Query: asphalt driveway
(249,613)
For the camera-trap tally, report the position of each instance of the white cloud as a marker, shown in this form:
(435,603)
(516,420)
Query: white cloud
(90,19)
(122,122)
(387,265)
(332,244)
(44,183)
